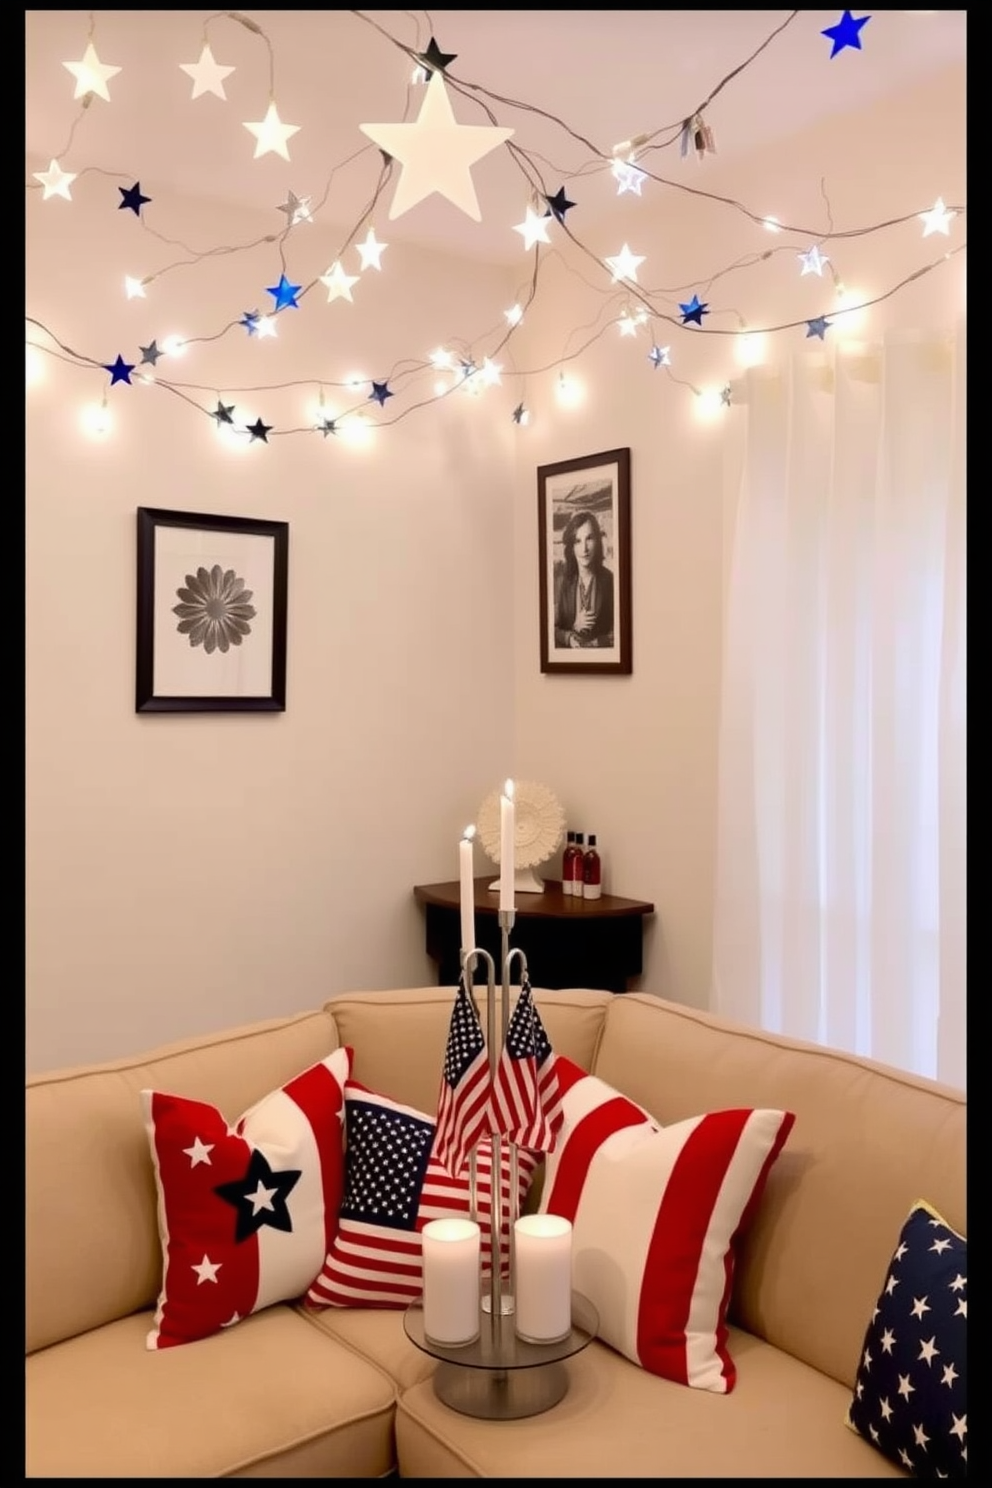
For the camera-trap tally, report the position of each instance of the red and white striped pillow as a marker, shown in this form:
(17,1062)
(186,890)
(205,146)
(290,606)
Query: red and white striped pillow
(246,1212)
(655,1213)
(393,1185)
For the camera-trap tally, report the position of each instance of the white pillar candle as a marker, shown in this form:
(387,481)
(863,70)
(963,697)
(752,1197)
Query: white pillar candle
(543,1278)
(467,889)
(507,845)
(452,1268)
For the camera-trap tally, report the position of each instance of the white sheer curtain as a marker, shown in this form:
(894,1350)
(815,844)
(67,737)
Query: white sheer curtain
(840,903)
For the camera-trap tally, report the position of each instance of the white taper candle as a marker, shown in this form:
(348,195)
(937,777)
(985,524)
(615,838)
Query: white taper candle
(507,843)
(467,897)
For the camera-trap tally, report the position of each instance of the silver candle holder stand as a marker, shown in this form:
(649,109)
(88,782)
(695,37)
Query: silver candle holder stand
(498,1303)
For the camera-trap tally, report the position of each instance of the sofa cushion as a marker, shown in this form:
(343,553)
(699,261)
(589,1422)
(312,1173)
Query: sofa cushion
(868,1141)
(655,1213)
(911,1392)
(88,1173)
(784,1420)
(275,1397)
(247,1211)
(378,1334)
(393,1186)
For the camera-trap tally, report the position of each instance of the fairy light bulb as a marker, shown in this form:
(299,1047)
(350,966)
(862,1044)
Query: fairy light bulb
(357,430)
(174,346)
(570,392)
(96,420)
(771,224)
(514,315)
(34,366)
(849,310)
(749,348)
(356,382)
(709,402)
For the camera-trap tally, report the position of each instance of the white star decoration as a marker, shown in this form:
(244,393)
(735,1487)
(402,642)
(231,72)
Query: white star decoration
(261,1198)
(624,265)
(266,327)
(207,1270)
(919,1307)
(199,1152)
(628,325)
(207,75)
(436,153)
(534,228)
(271,134)
(133,288)
(91,74)
(55,180)
(371,251)
(812,261)
(938,219)
(338,282)
(234,1318)
(627,176)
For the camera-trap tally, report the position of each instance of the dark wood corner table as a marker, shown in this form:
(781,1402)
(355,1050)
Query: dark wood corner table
(568,942)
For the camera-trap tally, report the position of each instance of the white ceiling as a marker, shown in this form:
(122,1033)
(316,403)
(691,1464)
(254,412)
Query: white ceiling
(606,74)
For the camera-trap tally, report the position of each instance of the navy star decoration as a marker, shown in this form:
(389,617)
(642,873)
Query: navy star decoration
(260,1197)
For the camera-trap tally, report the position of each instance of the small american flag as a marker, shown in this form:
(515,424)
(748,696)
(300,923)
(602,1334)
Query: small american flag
(526,1104)
(463,1101)
(393,1185)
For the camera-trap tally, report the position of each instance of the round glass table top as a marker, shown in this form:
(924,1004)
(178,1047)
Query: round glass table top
(498,1347)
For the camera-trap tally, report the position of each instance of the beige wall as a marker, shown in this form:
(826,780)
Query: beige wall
(188,872)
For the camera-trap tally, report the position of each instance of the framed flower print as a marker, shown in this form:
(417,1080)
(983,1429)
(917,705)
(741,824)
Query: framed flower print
(212,597)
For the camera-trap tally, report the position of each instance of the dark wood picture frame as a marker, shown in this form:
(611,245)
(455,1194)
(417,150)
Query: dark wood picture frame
(588,498)
(239,567)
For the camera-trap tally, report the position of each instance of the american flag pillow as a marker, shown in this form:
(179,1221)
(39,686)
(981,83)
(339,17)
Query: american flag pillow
(911,1392)
(394,1183)
(655,1212)
(247,1211)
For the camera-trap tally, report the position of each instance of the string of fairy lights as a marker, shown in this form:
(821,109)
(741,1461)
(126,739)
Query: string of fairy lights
(433,154)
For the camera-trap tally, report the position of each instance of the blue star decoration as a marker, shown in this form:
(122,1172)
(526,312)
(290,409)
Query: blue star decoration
(150,353)
(380,392)
(250,321)
(260,1197)
(846,33)
(817,327)
(693,312)
(285,294)
(258,430)
(120,370)
(434,59)
(222,413)
(558,205)
(132,198)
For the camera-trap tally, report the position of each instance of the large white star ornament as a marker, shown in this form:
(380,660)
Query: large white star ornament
(627,177)
(271,134)
(624,265)
(55,180)
(534,228)
(812,261)
(338,282)
(938,219)
(436,153)
(208,76)
(91,74)
(371,251)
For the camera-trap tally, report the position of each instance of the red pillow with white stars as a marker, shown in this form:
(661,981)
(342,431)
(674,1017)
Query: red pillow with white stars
(247,1212)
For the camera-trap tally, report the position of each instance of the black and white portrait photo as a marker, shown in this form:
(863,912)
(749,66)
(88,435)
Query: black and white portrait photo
(584,536)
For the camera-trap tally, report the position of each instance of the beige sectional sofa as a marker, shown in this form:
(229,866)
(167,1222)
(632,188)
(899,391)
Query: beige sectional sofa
(344,1393)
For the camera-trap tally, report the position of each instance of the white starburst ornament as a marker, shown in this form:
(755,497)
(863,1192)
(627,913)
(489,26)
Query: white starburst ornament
(534,228)
(266,327)
(627,177)
(628,325)
(812,261)
(271,134)
(55,180)
(338,283)
(133,288)
(624,265)
(371,251)
(91,74)
(490,373)
(436,153)
(938,219)
(208,76)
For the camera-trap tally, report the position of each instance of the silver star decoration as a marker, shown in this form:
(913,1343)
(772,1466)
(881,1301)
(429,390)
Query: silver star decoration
(297,209)
(660,356)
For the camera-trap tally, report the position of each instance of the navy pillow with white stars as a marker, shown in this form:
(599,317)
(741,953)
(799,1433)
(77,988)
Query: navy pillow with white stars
(911,1392)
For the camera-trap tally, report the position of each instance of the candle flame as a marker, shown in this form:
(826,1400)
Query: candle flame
(468,833)
(508,790)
